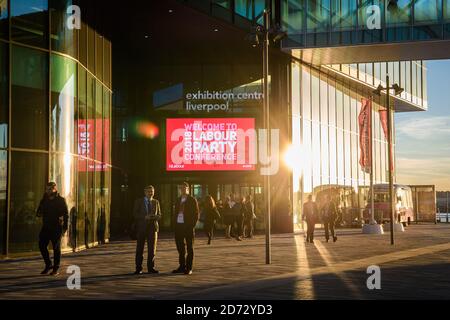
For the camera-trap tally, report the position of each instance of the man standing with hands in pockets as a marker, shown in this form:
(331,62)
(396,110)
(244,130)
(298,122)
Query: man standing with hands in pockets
(146,213)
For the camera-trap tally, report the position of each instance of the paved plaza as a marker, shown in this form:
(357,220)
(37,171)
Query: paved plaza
(416,267)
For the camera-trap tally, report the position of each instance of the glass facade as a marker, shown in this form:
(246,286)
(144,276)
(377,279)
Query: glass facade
(55,115)
(313,23)
(410,75)
(325,130)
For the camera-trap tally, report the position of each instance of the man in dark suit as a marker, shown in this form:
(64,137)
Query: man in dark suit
(184,219)
(329,217)
(146,213)
(310,215)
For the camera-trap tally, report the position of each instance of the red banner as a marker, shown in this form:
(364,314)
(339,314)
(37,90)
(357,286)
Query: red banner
(93,132)
(365,135)
(384,123)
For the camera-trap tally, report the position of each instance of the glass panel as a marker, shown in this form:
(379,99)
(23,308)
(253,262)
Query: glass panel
(63,130)
(98,122)
(63,38)
(306,93)
(28,179)
(447,10)
(307,146)
(3,198)
(29,22)
(4,19)
(222,3)
(398,12)
(343,14)
(90,206)
(99,57)
(91,50)
(293,16)
(63,172)
(107,64)
(318,15)
(427,11)
(4,93)
(249,9)
(83,44)
(29,98)
(106,126)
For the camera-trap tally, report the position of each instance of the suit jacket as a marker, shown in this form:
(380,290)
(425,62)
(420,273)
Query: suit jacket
(310,212)
(140,211)
(191,212)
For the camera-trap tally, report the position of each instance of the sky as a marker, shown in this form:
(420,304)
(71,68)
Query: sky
(423,138)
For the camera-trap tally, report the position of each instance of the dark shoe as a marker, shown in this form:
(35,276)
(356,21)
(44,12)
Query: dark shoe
(187,272)
(55,271)
(239,238)
(153,271)
(209,241)
(47,269)
(179,270)
(138,271)
(334,239)
(328,239)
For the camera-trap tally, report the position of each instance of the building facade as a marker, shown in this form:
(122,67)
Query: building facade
(55,123)
(62,117)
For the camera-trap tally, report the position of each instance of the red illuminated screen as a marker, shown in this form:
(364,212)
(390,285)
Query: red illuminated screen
(210,144)
(91,133)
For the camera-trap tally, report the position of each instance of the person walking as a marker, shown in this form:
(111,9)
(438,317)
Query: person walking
(185,217)
(311,216)
(227,216)
(211,215)
(238,214)
(147,213)
(249,217)
(329,217)
(55,216)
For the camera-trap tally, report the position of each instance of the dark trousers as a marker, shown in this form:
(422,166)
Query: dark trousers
(248,228)
(310,225)
(329,228)
(184,239)
(209,230)
(239,221)
(45,237)
(151,237)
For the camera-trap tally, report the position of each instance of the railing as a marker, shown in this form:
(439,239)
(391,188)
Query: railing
(443,217)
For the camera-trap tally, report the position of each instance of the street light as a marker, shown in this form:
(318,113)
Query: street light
(397,91)
(265,31)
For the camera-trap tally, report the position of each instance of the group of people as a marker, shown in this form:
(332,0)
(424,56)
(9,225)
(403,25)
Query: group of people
(147,214)
(238,217)
(326,213)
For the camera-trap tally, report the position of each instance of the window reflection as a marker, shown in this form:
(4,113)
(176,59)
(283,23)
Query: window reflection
(29,97)
(4,103)
(427,11)
(3,198)
(28,177)
(63,104)
(29,21)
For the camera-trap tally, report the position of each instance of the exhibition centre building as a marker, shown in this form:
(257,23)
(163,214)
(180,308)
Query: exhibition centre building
(105,99)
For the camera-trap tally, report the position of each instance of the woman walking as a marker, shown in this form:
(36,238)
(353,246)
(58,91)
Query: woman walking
(211,215)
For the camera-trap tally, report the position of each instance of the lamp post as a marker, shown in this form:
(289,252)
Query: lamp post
(267,127)
(397,91)
(277,34)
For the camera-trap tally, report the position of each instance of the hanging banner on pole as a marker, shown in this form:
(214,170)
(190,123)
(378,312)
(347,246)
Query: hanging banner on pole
(365,135)
(384,123)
